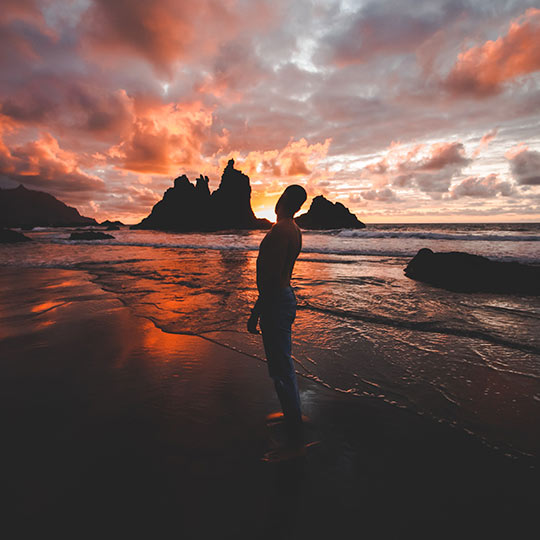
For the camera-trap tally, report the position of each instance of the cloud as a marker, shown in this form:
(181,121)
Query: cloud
(54,103)
(136,92)
(487,187)
(166,32)
(43,164)
(164,138)
(484,141)
(525,165)
(482,70)
(385,194)
(429,167)
(382,29)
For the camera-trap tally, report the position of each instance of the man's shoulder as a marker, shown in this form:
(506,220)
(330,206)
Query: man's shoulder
(285,227)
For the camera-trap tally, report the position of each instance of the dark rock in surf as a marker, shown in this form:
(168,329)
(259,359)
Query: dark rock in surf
(91,235)
(26,208)
(8,236)
(324,214)
(464,272)
(187,207)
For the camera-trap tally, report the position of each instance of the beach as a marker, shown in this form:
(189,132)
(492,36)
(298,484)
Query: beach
(113,425)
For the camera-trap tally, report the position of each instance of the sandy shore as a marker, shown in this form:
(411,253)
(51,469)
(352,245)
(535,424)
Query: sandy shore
(111,426)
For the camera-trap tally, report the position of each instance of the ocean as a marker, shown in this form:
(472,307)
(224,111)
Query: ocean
(471,361)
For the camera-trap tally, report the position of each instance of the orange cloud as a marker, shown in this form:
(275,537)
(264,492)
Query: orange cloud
(164,138)
(482,70)
(271,171)
(43,164)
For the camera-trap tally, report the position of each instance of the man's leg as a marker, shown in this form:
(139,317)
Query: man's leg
(276,331)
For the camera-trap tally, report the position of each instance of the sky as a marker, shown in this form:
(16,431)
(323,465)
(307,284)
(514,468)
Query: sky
(404,111)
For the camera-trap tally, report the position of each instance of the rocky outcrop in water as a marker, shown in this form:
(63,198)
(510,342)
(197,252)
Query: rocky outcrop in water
(188,207)
(464,272)
(26,208)
(324,214)
(12,237)
(90,235)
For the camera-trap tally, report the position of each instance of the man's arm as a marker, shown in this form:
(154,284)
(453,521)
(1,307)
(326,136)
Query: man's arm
(272,255)
(270,263)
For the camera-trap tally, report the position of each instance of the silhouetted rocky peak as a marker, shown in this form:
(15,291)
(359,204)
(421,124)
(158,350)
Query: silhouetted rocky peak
(188,207)
(202,186)
(324,214)
(231,202)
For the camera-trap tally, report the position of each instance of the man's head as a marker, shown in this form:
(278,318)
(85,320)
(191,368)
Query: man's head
(291,201)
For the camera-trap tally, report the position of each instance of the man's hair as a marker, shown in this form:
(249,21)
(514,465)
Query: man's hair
(293,198)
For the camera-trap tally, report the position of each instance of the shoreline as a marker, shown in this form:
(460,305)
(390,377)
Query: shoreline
(107,417)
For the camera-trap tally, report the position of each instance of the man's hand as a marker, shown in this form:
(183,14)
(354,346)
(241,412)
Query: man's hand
(252,323)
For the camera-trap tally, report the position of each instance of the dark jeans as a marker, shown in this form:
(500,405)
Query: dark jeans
(276,322)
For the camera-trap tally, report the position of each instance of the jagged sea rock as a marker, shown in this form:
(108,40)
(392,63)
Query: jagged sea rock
(26,208)
(324,214)
(186,207)
(90,235)
(8,236)
(464,272)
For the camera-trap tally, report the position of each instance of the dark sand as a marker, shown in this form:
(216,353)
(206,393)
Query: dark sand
(111,427)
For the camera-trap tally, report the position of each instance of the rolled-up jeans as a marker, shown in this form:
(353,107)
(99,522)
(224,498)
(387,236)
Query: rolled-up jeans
(276,319)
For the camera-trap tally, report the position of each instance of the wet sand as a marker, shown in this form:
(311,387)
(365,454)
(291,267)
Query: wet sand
(111,426)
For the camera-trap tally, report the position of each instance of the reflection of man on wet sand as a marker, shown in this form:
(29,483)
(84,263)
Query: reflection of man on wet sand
(276,309)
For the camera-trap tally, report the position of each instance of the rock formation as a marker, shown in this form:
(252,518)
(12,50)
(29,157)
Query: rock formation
(463,272)
(323,214)
(12,237)
(187,207)
(91,235)
(26,208)
(112,225)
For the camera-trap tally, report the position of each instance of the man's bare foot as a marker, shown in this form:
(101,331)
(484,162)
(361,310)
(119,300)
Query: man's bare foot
(275,418)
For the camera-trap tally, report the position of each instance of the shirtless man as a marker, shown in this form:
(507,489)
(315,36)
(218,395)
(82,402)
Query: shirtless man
(276,309)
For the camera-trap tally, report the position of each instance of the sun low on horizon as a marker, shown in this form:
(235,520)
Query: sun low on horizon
(408,112)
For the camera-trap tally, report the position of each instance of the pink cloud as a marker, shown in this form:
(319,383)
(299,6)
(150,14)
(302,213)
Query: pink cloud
(485,140)
(430,167)
(481,71)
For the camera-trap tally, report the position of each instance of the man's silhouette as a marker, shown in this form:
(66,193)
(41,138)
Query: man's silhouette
(276,309)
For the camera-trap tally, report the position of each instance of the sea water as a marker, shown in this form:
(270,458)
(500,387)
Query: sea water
(363,328)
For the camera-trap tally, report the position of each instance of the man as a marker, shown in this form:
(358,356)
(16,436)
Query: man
(276,309)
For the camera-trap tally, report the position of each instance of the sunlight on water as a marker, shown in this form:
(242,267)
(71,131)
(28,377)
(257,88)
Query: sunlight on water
(362,327)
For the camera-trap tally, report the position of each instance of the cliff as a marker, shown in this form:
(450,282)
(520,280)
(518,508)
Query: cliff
(26,208)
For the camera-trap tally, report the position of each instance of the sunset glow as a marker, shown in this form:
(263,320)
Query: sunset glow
(404,112)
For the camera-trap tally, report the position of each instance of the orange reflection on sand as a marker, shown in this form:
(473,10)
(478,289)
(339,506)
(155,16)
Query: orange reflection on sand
(45,306)
(164,347)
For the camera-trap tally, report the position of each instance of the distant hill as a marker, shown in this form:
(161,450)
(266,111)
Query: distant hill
(26,208)
(191,207)
(324,214)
